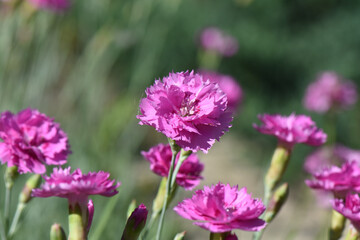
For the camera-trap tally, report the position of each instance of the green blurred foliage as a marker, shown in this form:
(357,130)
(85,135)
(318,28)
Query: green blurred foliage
(89,66)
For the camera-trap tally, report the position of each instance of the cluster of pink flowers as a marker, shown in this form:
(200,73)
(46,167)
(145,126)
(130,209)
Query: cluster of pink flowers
(329,91)
(188,176)
(31,140)
(76,186)
(338,180)
(350,208)
(228,85)
(187,109)
(292,129)
(214,39)
(222,208)
(54,5)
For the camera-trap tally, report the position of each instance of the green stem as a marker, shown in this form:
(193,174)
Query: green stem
(218,236)
(2,229)
(337,225)
(7,207)
(175,150)
(19,210)
(76,224)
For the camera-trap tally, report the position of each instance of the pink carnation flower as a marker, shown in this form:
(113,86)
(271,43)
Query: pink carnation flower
(76,187)
(350,208)
(214,39)
(31,140)
(337,180)
(187,109)
(228,85)
(188,176)
(329,91)
(292,129)
(53,5)
(223,208)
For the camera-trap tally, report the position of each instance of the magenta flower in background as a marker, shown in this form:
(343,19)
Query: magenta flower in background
(53,5)
(350,208)
(214,39)
(319,159)
(31,140)
(228,85)
(327,156)
(338,180)
(291,129)
(222,208)
(188,176)
(329,91)
(187,109)
(76,187)
(347,154)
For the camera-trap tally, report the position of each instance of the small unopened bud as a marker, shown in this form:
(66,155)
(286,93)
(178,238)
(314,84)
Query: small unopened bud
(180,236)
(57,232)
(11,174)
(277,201)
(31,183)
(90,215)
(231,237)
(135,223)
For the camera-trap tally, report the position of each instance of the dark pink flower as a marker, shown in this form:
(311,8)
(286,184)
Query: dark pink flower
(329,91)
(53,5)
(135,223)
(292,129)
(76,187)
(32,140)
(188,176)
(216,40)
(223,208)
(187,109)
(228,85)
(337,180)
(350,208)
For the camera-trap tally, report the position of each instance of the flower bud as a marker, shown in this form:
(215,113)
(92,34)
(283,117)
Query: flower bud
(57,232)
(31,183)
(135,223)
(277,201)
(180,236)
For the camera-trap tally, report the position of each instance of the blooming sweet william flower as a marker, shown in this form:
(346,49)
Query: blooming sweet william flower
(31,140)
(338,180)
(292,129)
(350,208)
(228,85)
(329,91)
(222,208)
(187,109)
(53,5)
(188,176)
(214,39)
(76,186)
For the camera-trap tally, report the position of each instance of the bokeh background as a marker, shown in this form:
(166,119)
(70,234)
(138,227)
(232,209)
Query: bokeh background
(88,67)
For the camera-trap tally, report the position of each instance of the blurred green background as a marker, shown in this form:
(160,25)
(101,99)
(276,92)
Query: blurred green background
(88,68)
